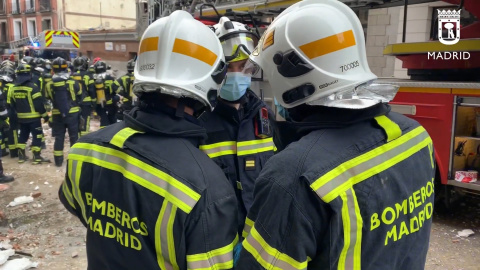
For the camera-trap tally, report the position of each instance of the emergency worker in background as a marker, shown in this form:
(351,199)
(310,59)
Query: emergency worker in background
(106,89)
(8,79)
(66,95)
(126,81)
(239,133)
(341,195)
(141,207)
(27,102)
(4,123)
(38,71)
(87,83)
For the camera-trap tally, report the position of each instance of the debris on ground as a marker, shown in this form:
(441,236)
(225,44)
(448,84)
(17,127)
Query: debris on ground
(5,254)
(4,187)
(21,200)
(465,233)
(19,264)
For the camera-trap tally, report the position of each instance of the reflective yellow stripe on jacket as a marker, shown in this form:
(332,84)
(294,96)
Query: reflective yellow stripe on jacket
(239,148)
(164,242)
(339,182)
(268,256)
(139,172)
(221,258)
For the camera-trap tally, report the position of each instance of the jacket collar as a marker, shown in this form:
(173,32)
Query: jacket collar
(321,117)
(249,105)
(165,123)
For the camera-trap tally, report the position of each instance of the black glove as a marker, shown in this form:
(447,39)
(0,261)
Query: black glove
(46,118)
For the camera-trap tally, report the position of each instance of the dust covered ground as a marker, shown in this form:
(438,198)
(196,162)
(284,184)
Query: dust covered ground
(55,239)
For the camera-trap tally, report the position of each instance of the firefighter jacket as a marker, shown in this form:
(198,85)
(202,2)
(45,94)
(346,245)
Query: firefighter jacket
(352,196)
(65,94)
(143,209)
(3,104)
(232,144)
(106,88)
(6,89)
(88,87)
(27,101)
(126,82)
(47,79)
(37,78)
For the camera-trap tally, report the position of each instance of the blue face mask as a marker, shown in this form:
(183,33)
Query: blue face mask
(281,110)
(235,86)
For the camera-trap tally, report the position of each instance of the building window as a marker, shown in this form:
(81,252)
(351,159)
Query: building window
(45,5)
(3,8)
(3,32)
(29,6)
(47,24)
(32,27)
(15,6)
(466,18)
(17,30)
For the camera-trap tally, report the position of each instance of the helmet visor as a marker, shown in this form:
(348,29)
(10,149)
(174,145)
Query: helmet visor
(237,46)
(251,68)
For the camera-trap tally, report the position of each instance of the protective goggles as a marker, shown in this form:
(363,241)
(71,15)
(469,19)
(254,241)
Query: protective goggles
(251,68)
(238,45)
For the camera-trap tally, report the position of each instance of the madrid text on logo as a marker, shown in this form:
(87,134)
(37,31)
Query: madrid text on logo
(448,26)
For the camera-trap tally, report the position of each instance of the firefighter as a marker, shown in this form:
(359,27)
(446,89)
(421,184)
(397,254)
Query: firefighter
(106,89)
(66,95)
(353,189)
(126,81)
(4,123)
(27,102)
(88,85)
(12,132)
(141,207)
(38,72)
(236,141)
(6,81)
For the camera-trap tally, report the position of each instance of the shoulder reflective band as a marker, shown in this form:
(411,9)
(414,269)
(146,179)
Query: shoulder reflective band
(122,136)
(329,44)
(58,84)
(219,149)
(139,172)
(148,45)
(240,148)
(337,181)
(254,146)
(221,258)
(164,242)
(36,95)
(268,256)
(391,128)
(195,51)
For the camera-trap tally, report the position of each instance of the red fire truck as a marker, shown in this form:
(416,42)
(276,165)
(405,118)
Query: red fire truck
(444,96)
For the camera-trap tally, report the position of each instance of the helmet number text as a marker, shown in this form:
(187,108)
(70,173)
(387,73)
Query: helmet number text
(350,66)
(147,67)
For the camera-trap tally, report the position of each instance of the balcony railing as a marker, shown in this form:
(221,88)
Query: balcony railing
(45,5)
(30,10)
(15,11)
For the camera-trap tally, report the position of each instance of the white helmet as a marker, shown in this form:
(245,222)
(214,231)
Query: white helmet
(313,49)
(182,57)
(236,39)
